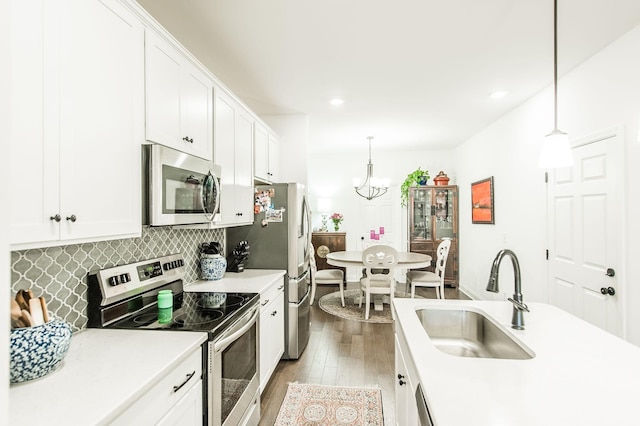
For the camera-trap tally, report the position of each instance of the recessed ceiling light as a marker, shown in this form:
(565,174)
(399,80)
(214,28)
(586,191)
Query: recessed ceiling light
(498,94)
(336,101)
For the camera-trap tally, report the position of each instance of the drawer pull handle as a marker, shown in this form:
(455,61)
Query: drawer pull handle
(281,287)
(189,376)
(264,303)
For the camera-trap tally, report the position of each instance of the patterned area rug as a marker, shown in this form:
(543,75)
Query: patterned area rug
(331,303)
(307,405)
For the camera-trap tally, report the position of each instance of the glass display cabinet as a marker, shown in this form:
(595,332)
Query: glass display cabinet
(433,216)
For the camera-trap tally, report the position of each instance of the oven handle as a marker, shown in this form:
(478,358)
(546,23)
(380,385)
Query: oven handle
(222,344)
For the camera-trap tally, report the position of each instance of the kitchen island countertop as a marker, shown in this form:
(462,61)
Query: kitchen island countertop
(580,375)
(104,372)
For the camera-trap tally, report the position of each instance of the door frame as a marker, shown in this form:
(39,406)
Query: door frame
(616,132)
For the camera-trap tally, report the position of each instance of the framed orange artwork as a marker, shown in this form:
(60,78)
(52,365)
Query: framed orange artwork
(482,201)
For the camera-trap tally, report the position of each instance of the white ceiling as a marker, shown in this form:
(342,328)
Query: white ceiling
(415,74)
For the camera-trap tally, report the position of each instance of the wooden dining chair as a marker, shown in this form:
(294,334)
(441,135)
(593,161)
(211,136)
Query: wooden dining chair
(375,259)
(432,279)
(324,276)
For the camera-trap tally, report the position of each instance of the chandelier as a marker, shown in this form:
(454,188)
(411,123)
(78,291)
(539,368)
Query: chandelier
(372,187)
(556,150)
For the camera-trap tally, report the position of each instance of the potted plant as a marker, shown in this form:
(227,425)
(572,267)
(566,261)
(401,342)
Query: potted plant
(415,178)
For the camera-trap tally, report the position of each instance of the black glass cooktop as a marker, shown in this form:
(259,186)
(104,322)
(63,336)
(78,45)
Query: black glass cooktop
(202,311)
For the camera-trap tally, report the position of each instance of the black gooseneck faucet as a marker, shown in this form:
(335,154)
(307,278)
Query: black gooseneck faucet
(517,320)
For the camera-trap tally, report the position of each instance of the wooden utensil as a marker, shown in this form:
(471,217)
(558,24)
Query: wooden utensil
(21,300)
(45,312)
(16,312)
(26,318)
(35,309)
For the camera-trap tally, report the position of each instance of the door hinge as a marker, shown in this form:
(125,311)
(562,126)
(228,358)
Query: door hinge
(547,254)
(546,177)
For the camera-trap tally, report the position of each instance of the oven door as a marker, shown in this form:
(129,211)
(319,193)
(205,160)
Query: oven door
(183,189)
(233,382)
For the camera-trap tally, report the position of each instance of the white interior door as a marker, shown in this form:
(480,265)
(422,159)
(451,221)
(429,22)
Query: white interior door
(586,233)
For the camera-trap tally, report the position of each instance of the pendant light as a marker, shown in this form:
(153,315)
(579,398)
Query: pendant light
(372,187)
(556,151)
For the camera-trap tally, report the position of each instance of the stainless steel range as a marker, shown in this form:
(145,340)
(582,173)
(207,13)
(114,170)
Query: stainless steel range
(126,297)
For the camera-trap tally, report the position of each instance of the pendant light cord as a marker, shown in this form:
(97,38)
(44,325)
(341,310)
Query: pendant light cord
(555,65)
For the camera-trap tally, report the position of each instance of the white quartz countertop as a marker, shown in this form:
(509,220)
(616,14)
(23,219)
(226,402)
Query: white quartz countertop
(580,375)
(248,281)
(103,373)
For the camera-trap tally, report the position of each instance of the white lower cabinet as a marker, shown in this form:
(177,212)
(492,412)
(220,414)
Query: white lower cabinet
(271,330)
(175,399)
(405,384)
(77,112)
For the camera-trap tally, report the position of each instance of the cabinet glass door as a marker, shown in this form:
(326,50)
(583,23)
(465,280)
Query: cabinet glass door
(443,203)
(421,205)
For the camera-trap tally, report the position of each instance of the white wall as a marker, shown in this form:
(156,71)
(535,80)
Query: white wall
(602,93)
(292,131)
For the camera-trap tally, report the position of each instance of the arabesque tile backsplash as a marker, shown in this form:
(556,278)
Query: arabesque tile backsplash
(59,274)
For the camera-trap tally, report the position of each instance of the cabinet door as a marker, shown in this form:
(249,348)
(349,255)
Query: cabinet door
(420,214)
(223,147)
(261,152)
(162,70)
(101,120)
(271,337)
(444,213)
(274,159)
(196,112)
(243,156)
(34,139)
(277,335)
(187,411)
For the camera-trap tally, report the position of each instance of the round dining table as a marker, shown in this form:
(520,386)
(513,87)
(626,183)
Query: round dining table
(353,259)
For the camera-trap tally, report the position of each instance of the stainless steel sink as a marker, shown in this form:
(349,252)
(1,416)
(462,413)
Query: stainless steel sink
(468,333)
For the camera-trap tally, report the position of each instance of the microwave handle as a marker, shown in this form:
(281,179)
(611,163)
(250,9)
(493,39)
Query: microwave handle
(216,205)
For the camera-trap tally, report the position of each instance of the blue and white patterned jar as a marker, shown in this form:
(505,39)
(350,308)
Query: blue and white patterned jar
(36,351)
(212,266)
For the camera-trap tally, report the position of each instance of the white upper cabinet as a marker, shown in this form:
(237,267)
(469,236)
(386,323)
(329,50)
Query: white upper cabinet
(179,107)
(78,121)
(233,147)
(266,154)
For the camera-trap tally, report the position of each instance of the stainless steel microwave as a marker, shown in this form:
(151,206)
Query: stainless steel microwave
(178,188)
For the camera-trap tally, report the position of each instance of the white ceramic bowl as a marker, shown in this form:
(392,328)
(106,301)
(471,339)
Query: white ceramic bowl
(36,351)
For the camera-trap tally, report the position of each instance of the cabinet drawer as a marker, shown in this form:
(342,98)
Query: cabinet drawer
(271,294)
(161,398)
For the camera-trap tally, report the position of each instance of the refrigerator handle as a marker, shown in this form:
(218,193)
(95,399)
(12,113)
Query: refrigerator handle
(305,227)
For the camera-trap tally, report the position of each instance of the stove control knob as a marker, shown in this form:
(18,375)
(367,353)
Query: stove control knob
(114,280)
(166,266)
(180,262)
(125,278)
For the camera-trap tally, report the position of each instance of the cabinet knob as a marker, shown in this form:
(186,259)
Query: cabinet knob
(187,139)
(56,218)
(610,272)
(71,218)
(274,313)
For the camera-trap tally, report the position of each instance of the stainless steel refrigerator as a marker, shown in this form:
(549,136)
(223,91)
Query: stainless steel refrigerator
(280,238)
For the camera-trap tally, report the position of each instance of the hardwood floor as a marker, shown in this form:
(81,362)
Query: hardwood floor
(342,353)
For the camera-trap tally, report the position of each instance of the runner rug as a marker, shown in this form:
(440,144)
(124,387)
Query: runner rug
(306,404)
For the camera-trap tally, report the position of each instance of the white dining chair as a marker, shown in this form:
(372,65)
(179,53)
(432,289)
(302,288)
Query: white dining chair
(376,259)
(325,276)
(432,279)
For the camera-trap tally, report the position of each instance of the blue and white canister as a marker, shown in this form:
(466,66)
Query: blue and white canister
(212,266)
